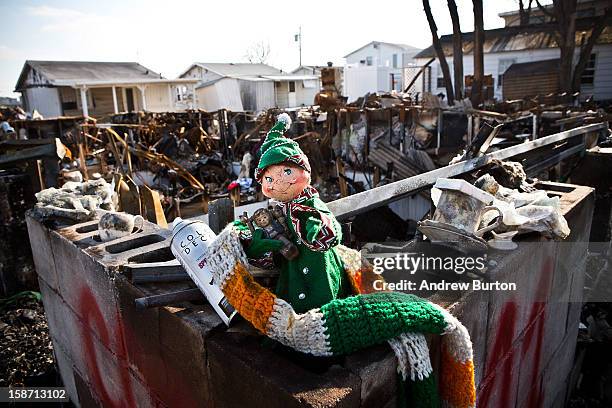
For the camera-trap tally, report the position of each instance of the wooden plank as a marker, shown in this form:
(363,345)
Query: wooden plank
(151,206)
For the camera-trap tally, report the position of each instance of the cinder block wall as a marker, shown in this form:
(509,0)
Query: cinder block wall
(110,354)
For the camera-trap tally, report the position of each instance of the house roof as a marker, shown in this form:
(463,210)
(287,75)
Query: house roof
(66,72)
(262,78)
(281,78)
(236,69)
(515,38)
(404,47)
(315,68)
(531,68)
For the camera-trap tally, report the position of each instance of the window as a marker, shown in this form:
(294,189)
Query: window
(71,105)
(502,66)
(368,60)
(394,60)
(291,86)
(588,75)
(440,83)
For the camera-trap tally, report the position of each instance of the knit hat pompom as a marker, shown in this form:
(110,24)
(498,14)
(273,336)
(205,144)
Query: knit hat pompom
(285,119)
(279,149)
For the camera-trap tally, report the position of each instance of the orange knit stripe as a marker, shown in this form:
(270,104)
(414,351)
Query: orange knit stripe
(251,300)
(457,381)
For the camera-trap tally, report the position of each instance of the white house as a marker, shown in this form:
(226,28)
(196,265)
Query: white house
(516,44)
(250,87)
(376,67)
(65,88)
(338,77)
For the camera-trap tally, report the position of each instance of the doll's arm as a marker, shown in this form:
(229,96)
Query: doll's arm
(256,244)
(319,231)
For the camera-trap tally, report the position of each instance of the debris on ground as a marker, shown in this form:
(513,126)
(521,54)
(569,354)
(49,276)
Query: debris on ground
(75,201)
(26,351)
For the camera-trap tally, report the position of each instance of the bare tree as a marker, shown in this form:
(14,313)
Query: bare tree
(477,96)
(258,53)
(524,11)
(563,12)
(586,47)
(457,49)
(440,53)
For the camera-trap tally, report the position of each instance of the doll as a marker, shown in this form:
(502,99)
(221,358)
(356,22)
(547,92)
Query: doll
(316,275)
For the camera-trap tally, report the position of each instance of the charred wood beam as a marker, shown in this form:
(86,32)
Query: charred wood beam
(361,202)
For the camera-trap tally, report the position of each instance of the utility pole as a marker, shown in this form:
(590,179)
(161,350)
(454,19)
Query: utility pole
(298,39)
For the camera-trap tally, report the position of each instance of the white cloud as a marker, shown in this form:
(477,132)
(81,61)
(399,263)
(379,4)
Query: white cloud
(65,19)
(54,12)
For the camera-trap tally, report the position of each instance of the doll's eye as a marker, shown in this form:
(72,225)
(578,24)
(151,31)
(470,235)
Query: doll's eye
(269,179)
(287,172)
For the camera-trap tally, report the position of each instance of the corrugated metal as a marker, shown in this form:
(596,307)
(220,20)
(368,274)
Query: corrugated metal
(411,208)
(403,167)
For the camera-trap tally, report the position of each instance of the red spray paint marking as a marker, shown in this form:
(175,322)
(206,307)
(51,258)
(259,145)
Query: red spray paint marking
(176,392)
(92,315)
(503,342)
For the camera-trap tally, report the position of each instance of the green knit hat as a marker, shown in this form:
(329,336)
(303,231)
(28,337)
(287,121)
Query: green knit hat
(279,149)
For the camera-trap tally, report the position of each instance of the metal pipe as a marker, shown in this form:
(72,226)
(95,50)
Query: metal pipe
(168,298)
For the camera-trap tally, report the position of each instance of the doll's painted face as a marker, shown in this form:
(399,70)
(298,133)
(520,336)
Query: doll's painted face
(284,181)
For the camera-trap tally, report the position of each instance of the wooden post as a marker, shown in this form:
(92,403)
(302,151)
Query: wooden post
(390,125)
(220,213)
(341,179)
(477,93)
(376,177)
(115,105)
(366,149)
(142,88)
(84,101)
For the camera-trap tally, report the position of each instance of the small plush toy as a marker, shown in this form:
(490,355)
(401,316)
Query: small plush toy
(316,276)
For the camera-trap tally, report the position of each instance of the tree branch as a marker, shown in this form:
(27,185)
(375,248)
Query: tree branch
(440,53)
(457,49)
(544,11)
(587,48)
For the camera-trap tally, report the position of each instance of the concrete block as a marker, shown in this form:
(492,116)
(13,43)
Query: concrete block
(86,396)
(88,288)
(499,386)
(42,252)
(532,397)
(268,378)
(377,369)
(473,312)
(65,327)
(66,370)
(556,374)
(557,308)
(532,361)
(107,373)
(141,329)
(182,339)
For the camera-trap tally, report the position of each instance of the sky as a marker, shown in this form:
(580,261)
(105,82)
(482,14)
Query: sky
(167,36)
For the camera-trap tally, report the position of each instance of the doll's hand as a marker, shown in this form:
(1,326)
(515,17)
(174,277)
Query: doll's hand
(260,245)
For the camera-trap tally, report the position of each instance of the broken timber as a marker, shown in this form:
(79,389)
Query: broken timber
(347,207)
